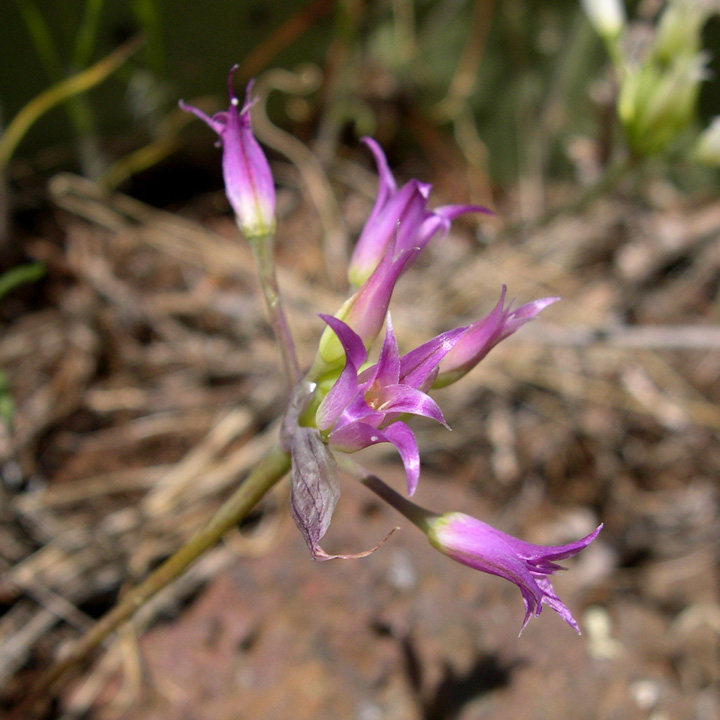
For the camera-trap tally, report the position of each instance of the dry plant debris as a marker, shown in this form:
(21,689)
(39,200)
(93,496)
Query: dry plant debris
(144,391)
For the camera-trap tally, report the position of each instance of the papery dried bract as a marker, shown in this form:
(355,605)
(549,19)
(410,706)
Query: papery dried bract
(314,489)
(315,492)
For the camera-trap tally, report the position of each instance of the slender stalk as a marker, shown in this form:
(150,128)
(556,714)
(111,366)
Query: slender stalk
(263,250)
(60,92)
(418,516)
(269,471)
(87,33)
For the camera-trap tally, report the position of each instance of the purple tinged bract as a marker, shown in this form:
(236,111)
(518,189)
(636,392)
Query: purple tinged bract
(248,181)
(482,547)
(362,408)
(400,215)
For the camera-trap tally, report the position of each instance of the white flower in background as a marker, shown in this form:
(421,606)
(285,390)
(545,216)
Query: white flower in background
(606,16)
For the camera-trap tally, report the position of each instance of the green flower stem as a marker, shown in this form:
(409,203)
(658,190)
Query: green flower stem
(60,92)
(263,247)
(269,471)
(418,516)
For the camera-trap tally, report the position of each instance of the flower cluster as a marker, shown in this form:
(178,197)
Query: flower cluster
(362,408)
(345,404)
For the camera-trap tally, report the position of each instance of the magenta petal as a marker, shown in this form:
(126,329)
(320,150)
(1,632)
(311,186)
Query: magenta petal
(340,394)
(419,364)
(214,123)
(352,343)
(358,435)
(400,217)
(387,181)
(404,214)
(431,225)
(482,336)
(439,220)
(387,369)
(367,309)
(248,179)
(450,212)
(480,546)
(249,184)
(346,386)
(402,437)
(521,315)
(542,556)
(405,399)
(358,410)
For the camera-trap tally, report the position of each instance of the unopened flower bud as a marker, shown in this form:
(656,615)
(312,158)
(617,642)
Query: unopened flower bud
(606,16)
(248,181)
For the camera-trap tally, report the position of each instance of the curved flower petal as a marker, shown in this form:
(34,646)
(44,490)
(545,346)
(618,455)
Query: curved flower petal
(352,343)
(345,387)
(217,122)
(419,364)
(398,399)
(402,437)
(400,217)
(356,436)
(399,213)
(386,179)
(450,212)
(366,310)
(387,369)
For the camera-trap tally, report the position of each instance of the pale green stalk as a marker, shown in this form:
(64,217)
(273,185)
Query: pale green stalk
(87,33)
(263,247)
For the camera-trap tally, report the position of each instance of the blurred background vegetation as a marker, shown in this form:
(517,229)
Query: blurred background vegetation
(523,88)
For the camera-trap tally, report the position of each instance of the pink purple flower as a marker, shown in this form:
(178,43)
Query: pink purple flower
(480,546)
(400,215)
(362,407)
(482,336)
(248,181)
